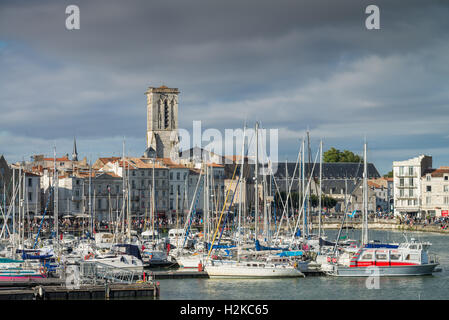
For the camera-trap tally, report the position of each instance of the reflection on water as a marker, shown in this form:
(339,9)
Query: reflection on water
(391,288)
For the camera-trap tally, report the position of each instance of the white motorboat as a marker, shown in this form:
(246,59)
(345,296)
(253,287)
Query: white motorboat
(409,259)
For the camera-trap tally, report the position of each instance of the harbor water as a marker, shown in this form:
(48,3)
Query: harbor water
(432,287)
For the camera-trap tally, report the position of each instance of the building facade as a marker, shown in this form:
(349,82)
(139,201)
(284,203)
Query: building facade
(407,184)
(435,192)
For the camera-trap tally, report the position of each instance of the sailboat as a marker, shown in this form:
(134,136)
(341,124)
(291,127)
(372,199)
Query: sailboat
(224,268)
(411,258)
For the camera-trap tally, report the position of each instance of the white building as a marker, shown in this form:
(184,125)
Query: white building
(435,192)
(407,184)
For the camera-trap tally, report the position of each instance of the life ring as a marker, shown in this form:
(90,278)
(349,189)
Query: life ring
(334,260)
(328,259)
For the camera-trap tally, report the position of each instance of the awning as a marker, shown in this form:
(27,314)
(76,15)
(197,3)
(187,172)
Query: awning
(81,215)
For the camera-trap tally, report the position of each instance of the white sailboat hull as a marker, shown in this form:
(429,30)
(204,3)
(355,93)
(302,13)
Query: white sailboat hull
(244,271)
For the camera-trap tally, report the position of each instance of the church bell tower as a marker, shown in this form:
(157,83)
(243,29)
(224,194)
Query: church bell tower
(162,122)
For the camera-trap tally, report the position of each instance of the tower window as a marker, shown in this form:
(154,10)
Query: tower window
(166,115)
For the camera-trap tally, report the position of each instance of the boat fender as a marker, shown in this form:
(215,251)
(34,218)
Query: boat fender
(87,257)
(43,270)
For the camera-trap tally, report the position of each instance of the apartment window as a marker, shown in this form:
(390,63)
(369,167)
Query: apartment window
(410,182)
(446,178)
(446,200)
(410,192)
(178,176)
(428,200)
(410,171)
(171,175)
(410,202)
(185,175)
(401,182)
(134,173)
(117,189)
(428,188)
(30,196)
(30,182)
(401,171)
(401,193)
(446,188)
(428,177)
(133,184)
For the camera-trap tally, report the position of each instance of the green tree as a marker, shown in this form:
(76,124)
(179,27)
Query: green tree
(389,174)
(335,155)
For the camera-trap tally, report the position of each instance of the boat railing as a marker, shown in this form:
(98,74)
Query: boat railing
(433,258)
(98,272)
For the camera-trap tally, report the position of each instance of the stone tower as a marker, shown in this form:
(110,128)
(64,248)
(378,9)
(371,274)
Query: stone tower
(162,122)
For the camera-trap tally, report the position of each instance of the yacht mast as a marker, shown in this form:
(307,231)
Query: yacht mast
(19,237)
(256,174)
(365,198)
(56,211)
(153,197)
(239,230)
(304,223)
(286,192)
(320,191)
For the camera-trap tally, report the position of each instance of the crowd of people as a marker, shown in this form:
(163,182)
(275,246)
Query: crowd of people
(141,224)
(441,222)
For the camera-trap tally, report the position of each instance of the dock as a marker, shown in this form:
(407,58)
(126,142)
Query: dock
(88,292)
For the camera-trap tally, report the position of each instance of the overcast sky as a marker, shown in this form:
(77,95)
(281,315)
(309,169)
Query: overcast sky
(292,65)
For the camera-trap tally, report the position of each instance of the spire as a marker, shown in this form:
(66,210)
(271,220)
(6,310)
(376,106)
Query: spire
(75,152)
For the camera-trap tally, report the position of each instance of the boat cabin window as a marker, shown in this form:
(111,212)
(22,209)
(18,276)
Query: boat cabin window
(413,246)
(381,256)
(412,257)
(367,256)
(395,256)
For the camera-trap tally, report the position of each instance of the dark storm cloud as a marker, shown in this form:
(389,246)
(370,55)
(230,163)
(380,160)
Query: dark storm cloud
(290,64)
